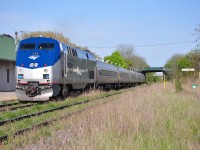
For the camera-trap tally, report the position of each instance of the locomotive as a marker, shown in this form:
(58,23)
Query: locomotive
(47,68)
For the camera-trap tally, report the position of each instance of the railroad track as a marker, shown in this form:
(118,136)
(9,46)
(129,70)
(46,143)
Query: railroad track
(7,108)
(39,113)
(9,104)
(5,137)
(20,105)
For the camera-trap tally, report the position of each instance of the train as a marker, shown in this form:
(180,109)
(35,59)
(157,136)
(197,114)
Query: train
(46,67)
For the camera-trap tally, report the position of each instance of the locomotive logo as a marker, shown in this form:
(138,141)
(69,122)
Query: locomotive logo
(34,57)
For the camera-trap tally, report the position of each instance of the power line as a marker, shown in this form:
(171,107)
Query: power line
(146,45)
(172,43)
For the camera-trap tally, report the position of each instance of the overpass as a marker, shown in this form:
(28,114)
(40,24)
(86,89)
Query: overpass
(154,69)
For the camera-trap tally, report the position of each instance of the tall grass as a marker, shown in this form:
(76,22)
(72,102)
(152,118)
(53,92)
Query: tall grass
(146,117)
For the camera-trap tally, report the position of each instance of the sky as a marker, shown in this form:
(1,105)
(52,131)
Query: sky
(157,29)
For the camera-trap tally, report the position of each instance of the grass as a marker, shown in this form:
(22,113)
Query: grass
(8,102)
(144,118)
(10,129)
(38,107)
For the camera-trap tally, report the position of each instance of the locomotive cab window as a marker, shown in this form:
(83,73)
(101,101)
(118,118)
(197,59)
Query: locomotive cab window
(46,46)
(27,46)
(74,52)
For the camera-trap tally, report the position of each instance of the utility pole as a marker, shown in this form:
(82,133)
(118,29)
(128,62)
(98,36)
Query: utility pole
(164,81)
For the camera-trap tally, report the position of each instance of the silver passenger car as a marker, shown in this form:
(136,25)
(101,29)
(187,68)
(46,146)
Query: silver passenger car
(124,75)
(107,75)
(79,68)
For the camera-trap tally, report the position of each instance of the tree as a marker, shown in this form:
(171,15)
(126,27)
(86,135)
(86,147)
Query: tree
(127,51)
(184,62)
(194,57)
(172,64)
(56,35)
(176,63)
(132,60)
(116,59)
(138,62)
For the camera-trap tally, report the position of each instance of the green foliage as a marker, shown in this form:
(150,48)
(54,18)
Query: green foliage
(116,59)
(150,78)
(128,62)
(176,63)
(178,85)
(194,57)
(190,60)
(172,63)
(184,62)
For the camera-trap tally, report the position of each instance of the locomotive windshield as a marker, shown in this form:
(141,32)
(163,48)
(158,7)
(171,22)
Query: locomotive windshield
(41,46)
(27,46)
(46,46)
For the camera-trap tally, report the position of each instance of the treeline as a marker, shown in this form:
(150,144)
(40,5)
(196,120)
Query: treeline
(58,36)
(179,61)
(124,56)
(190,60)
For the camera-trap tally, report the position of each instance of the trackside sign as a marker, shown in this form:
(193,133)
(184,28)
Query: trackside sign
(188,69)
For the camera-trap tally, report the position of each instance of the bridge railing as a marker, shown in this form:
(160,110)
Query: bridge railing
(154,69)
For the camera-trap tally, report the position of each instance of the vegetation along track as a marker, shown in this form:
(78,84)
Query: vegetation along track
(6,136)
(9,104)
(19,105)
(15,107)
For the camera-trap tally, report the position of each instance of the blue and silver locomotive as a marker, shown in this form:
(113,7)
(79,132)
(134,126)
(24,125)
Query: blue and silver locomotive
(46,67)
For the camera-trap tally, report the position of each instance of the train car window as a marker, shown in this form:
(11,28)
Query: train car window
(107,73)
(123,75)
(91,57)
(46,46)
(91,74)
(73,53)
(68,50)
(28,46)
(87,56)
(81,54)
(103,73)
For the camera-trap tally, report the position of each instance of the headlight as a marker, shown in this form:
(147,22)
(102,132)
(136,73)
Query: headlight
(20,70)
(35,64)
(31,65)
(45,70)
(20,76)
